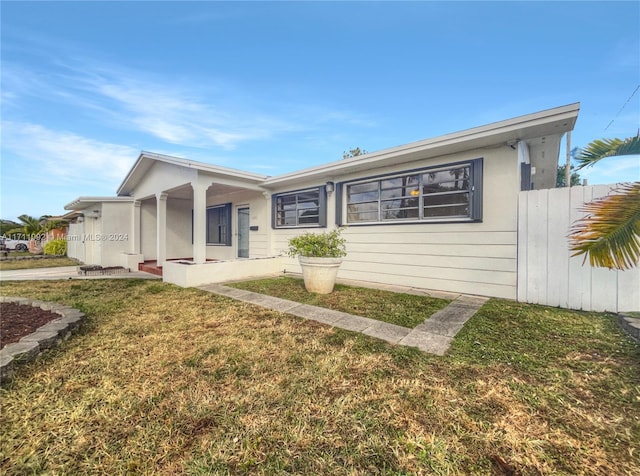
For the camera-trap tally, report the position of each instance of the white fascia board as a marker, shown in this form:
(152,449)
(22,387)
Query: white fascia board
(84,202)
(145,160)
(557,120)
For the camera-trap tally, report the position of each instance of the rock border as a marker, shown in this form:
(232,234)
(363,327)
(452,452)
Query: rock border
(45,337)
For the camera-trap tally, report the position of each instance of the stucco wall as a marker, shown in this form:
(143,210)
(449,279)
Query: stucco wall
(219,272)
(115,235)
(148,232)
(75,244)
(474,258)
(162,177)
(179,225)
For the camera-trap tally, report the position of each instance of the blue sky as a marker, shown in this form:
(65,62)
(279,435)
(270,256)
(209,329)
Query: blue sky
(277,87)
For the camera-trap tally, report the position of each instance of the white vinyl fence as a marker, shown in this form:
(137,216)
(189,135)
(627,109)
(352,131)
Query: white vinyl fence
(546,272)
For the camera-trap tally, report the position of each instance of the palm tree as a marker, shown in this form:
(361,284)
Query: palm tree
(609,235)
(29,226)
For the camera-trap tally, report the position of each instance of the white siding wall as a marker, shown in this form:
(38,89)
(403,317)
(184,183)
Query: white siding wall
(474,258)
(546,272)
(258,216)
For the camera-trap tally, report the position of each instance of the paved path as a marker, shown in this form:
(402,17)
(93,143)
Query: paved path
(63,272)
(433,336)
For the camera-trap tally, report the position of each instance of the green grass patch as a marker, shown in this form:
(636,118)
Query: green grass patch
(37,263)
(166,380)
(407,310)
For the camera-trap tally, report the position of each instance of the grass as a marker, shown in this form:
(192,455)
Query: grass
(37,263)
(405,310)
(165,380)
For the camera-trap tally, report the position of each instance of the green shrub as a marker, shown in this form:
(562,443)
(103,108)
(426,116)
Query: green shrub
(56,247)
(318,245)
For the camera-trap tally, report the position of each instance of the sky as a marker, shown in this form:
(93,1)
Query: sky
(275,87)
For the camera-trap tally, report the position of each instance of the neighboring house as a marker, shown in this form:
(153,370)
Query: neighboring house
(439,214)
(58,233)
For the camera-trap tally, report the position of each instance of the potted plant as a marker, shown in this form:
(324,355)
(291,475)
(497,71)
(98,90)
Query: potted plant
(320,256)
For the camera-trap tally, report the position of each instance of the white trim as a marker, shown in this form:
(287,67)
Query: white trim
(141,166)
(88,201)
(550,121)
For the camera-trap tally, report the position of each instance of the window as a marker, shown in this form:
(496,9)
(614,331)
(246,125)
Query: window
(219,225)
(449,193)
(303,208)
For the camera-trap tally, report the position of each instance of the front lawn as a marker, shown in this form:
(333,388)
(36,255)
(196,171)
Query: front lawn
(406,310)
(37,263)
(165,380)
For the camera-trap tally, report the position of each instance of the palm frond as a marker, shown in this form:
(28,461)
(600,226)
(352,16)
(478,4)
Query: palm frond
(602,148)
(609,235)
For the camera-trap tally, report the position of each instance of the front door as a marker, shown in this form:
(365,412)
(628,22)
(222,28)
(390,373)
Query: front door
(243,232)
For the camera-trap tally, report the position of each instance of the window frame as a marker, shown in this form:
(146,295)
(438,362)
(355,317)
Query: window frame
(225,240)
(475,196)
(322,208)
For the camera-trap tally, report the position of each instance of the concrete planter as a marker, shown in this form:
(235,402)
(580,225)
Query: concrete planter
(319,273)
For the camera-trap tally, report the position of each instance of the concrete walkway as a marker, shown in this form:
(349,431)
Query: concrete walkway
(63,272)
(433,336)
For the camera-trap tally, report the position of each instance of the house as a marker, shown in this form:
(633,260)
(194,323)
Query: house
(439,214)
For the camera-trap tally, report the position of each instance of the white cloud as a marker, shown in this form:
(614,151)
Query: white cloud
(208,114)
(61,155)
(613,170)
(185,115)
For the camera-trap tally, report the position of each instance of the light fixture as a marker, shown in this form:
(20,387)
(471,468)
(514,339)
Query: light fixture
(330,186)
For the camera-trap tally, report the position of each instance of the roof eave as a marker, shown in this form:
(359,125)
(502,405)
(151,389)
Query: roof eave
(508,130)
(87,201)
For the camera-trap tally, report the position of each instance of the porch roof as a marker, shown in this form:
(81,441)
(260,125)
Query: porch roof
(146,160)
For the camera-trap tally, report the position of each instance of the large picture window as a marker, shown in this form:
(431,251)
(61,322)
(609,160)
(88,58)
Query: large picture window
(302,208)
(449,193)
(219,225)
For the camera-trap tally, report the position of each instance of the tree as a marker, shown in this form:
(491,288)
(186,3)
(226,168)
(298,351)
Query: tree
(6,225)
(561,177)
(609,235)
(29,226)
(353,153)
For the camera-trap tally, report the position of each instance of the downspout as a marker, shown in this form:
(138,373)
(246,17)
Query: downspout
(524,162)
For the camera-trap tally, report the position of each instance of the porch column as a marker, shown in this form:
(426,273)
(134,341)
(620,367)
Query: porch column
(199,221)
(135,228)
(161,229)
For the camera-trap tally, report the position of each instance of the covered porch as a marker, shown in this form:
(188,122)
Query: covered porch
(192,215)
